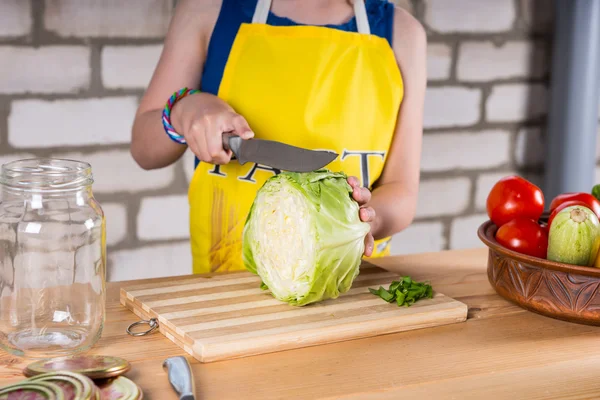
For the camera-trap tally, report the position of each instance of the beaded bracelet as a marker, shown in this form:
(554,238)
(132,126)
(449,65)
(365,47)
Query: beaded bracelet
(166,115)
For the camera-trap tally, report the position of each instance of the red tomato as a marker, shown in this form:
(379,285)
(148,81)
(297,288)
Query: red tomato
(545,227)
(564,205)
(513,197)
(588,200)
(525,236)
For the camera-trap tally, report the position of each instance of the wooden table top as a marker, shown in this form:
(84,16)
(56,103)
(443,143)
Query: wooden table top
(500,352)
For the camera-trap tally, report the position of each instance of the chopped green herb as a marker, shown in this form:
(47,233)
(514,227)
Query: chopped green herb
(405,291)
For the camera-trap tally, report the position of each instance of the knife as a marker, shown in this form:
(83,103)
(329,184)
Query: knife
(276,154)
(180,377)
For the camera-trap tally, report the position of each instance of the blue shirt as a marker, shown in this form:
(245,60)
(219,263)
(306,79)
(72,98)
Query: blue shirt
(235,12)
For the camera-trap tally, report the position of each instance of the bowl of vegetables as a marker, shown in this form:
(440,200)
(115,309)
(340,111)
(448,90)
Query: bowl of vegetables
(547,262)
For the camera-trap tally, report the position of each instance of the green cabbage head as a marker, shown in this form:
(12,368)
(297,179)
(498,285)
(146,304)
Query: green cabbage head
(303,236)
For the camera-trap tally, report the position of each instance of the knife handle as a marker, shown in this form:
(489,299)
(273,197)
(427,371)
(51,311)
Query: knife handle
(233,143)
(180,377)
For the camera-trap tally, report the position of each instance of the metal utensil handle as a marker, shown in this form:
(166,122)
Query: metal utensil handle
(152,323)
(180,376)
(233,143)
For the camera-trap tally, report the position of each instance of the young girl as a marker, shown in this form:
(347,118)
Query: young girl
(341,75)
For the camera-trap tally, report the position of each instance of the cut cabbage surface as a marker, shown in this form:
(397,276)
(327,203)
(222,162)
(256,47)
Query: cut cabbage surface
(303,236)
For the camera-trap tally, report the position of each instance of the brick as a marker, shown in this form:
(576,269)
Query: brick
(485,182)
(439,197)
(108,18)
(463,232)
(484,61)
(530,148)
(58,123)
(116,171)
(516,102)
(465,150)
(129,66)
(439,61)
(419,237)
(165,217)
(470,16)
(15,17)
(451,106)
(538,17)
(150,262)
(116,222)
(49,69)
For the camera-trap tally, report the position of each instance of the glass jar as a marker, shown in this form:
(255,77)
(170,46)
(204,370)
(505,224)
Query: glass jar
(52,258)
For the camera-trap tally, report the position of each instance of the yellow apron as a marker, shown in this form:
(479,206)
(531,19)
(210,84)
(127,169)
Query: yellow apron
(308,86)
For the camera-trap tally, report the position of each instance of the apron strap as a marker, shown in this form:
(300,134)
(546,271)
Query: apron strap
(362,22)
(261,12)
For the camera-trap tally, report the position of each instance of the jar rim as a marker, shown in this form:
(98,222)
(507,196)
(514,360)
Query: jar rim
(46,174)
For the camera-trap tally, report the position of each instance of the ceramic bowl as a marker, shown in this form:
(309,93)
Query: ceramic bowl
(557,290)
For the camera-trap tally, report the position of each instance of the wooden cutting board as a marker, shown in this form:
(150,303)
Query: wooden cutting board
(229,316)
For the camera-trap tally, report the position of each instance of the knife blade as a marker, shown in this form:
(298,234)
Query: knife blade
(276,154)
(180,377)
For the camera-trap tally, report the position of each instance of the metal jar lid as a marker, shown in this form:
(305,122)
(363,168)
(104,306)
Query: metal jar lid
(119,388)
(92,366)
(75,386)
(33,390)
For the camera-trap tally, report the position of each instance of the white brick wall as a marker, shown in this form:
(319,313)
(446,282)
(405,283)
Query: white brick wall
(108,18)
(516,102)
(439,197)
(463,232)
(470,16)
(15,17)
(164,217)
(72,80)
(418,238)
(48,69)
(484,61)
(154,261)
(116,222)
(455,150)
(439,61)
(129,66)
(115,171)
(451,107)
(85,122)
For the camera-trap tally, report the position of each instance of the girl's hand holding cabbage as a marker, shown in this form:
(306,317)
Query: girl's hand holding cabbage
(362,195)
(305,235)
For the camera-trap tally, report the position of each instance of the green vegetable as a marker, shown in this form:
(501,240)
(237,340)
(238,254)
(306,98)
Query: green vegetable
(596,191)
(574,236)
(405,291)
(303,236)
